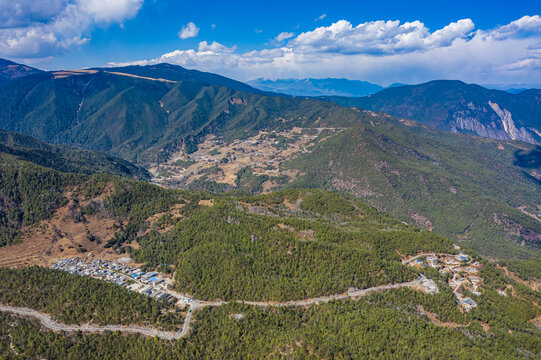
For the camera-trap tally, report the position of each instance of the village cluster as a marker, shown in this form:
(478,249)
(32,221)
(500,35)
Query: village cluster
(151,284)
(464,274)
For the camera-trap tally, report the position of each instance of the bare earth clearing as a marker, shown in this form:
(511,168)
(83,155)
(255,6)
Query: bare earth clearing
(61,236)
(221,162)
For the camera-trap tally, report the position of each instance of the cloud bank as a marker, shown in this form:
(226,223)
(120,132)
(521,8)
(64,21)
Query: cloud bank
(41,28)
(383,52)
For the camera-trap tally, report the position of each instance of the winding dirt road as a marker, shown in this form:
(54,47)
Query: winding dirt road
(48,322)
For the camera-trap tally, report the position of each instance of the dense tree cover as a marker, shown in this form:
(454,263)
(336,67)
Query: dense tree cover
(34,177)
(250,182)
(284,245)
(28,194)
(74,299)
(66,159)
(226,252)
(138,200)
(525,269)
(463,187)
(385,325)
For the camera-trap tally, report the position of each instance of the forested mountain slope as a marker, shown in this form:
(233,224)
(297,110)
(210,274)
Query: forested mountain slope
(161,113)
(141,118)
(65,158)
(290,244)
(481,191)
(280,246)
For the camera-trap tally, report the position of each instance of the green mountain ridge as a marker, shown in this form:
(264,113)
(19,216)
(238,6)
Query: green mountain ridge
(464,187)
(139,118)
(134,115)
(66,159)
(34,176)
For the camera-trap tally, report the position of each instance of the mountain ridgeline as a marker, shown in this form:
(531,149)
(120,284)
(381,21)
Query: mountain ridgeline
(458,107)
(65,158)
(139,118)
(481,191)
(10,70)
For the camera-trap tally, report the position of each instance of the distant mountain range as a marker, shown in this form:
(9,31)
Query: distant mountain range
(344,87)
(10,70)
(514,114)
(317,87)
(458,107)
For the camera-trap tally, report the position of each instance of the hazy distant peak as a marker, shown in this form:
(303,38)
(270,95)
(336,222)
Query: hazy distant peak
(317,87)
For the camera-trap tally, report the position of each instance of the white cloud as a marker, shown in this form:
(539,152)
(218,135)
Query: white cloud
(283,36)
(111,11)
(190,30)
(378,37)
(385,52)
(526,64)
(521,27)
(321,17)
(45,27)
(214,47)
(22,13)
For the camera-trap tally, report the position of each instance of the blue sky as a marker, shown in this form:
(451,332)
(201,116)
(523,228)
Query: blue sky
(487,42)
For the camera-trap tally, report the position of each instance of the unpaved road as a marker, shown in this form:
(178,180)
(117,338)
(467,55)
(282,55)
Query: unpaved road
(349,294)
(49,323)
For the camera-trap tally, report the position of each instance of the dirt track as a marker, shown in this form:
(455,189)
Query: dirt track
(49,323)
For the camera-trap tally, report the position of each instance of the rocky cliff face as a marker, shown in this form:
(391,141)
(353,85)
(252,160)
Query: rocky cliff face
(492,121)
(521,133)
